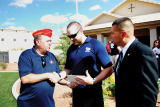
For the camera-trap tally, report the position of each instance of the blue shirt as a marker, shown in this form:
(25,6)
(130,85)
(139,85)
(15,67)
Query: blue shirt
(91,55)
(39,94)
(114,50)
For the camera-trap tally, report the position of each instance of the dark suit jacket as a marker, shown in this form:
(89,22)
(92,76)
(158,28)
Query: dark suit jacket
(136,81)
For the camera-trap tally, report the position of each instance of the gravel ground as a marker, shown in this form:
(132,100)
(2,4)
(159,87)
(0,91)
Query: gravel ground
(62,96)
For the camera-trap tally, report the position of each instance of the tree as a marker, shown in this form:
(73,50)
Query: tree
(65,42)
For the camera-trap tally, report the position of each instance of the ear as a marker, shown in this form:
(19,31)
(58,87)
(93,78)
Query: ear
(81,31)
(124,34)
(37,42)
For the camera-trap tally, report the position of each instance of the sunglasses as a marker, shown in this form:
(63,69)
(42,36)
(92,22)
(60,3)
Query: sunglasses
(74,35)
(43,61)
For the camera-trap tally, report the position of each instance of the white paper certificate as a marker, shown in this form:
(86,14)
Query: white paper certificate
(72,78)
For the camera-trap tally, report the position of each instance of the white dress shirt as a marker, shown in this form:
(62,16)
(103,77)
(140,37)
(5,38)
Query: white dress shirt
(125,48)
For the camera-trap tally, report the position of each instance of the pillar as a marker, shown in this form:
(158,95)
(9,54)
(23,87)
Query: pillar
(153,36)
(100,37)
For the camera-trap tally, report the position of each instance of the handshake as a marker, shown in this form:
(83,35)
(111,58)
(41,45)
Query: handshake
(72,79)
(54,77)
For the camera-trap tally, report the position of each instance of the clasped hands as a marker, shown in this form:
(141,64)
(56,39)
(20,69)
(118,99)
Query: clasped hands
(54,77)
(87,80)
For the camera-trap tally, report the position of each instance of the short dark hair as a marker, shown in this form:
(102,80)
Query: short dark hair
(35,38)
(124,24)
(121,23)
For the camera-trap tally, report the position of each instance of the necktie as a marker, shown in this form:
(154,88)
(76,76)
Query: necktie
(119,61)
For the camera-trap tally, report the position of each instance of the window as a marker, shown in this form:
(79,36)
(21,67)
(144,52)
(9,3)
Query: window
(2,39)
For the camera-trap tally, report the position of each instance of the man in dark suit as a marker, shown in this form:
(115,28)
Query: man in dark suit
(136,71)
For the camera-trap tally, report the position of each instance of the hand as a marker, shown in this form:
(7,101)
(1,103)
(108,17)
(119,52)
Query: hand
(72,84)
(88,80)
(55,78)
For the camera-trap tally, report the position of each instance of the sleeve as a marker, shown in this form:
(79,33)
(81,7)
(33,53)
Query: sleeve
(68,63)
(57,66)
(102,55)
(149,67)
(24,64)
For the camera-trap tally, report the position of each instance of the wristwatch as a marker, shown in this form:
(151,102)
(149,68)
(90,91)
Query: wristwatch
(94,80)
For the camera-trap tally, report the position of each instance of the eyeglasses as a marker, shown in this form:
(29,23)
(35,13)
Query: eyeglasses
(74,35)
(43,61)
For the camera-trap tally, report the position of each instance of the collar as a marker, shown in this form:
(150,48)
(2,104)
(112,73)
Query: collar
(88,39)
(127,46)
(36,54)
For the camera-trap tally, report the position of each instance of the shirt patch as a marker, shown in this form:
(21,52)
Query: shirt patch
(88,49)
(51,61)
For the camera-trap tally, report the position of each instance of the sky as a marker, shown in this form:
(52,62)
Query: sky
(32,15)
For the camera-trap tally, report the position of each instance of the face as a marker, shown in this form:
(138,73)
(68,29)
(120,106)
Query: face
(74,35)
(44,42)
(156,43)
(116,35)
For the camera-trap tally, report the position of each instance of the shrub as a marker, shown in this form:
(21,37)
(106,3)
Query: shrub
(61,67)
(62,61)
(158,84)
(108,86)
(3,65)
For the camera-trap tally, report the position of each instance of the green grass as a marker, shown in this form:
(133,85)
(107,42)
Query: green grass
(7,80)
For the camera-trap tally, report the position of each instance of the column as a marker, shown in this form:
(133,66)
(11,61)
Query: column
(153,36)
(100,37)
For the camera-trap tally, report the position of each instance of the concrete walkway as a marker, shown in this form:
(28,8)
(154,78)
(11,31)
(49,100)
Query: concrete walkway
(8,71)
(11,67)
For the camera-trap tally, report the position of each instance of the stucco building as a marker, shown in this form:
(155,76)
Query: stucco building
(13,42)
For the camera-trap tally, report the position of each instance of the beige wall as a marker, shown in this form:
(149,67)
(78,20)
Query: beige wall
(23,39)
(141,8)
(104,19)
